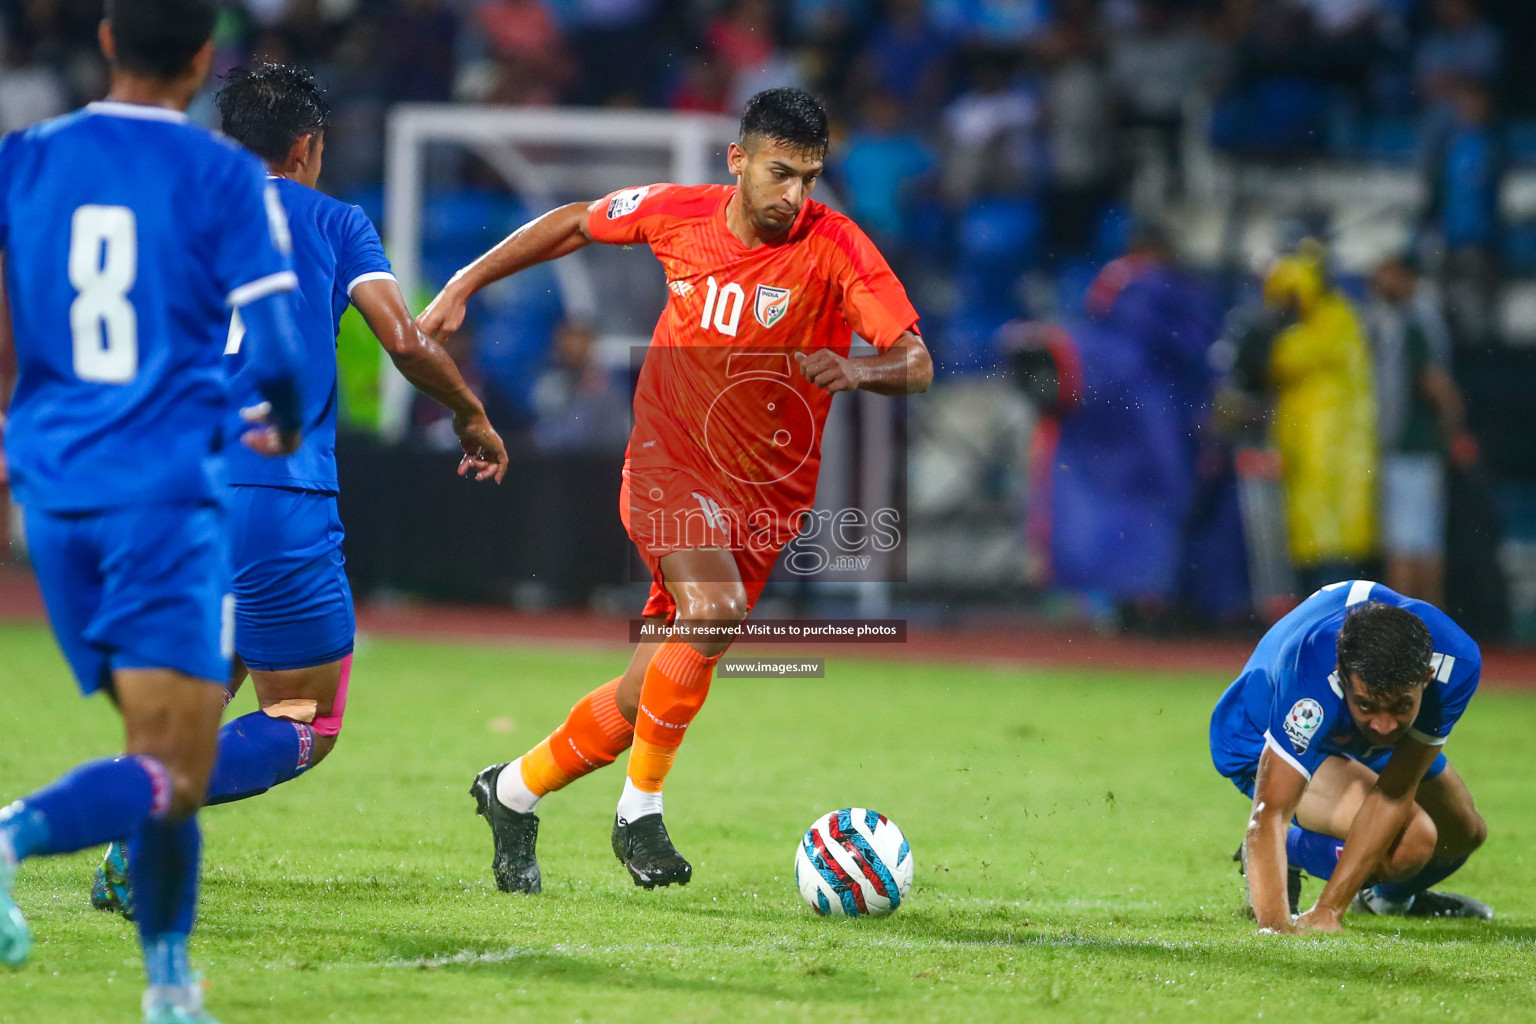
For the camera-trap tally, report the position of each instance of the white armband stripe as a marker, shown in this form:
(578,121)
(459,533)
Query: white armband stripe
(1285,755)
(1359,593)
(377,275)
(282,281)
(1426,739)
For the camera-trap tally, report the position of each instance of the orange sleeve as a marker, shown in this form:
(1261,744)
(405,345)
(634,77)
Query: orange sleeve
(872,300)
(628,216)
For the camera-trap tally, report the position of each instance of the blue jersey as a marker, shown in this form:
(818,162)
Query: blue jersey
(335,249)
(1290,698)
(129,234)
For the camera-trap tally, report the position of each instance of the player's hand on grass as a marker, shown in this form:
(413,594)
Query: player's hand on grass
(485,456)
(443,316)
(1319,919)
(265,439)
(828,370)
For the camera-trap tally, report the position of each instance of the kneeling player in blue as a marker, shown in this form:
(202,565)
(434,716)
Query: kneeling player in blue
(294,619)
(1335,731)
(129,234)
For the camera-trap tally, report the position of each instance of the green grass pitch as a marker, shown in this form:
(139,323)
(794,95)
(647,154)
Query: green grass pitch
(1070,836)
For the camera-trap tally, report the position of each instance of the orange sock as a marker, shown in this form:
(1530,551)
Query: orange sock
(676,683)
(593,735)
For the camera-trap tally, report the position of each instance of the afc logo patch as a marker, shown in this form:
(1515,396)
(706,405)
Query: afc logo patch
(626,202)
(770,304)
(1302,723)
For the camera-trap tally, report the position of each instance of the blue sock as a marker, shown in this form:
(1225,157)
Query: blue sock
(167,963)
(1429,874)
(164,858)
(1313,852)
(98,802)
(257,752)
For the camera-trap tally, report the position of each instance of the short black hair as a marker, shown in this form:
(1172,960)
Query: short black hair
(791,117)
(267,107)
(1386,647)
(159,38)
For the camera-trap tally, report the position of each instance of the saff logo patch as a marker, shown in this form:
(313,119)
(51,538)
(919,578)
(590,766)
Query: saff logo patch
(1302,723)
(626,202)
(770,304)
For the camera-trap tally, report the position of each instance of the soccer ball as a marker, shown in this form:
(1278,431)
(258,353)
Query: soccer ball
(853,863)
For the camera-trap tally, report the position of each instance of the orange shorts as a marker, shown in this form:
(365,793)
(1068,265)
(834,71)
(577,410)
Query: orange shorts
(666,510)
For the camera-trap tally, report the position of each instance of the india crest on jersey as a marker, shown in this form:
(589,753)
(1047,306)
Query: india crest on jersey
(770,304)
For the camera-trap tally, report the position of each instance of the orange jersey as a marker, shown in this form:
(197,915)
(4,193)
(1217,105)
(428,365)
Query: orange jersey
(720,397)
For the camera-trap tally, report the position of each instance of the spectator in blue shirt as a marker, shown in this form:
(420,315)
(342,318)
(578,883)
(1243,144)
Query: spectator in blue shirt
(884,158)
(1465,170)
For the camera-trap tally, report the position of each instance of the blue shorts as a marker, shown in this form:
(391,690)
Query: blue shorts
(136,587)
(1244,780)
(293,604)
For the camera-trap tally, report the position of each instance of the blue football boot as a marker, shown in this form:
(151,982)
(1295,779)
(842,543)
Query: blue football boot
(110,889)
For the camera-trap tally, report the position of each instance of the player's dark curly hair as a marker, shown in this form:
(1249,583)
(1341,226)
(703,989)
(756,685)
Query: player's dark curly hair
(1387,648)
(791,117)
(265,108)
(159,38)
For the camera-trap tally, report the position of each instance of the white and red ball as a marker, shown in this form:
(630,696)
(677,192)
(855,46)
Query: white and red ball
(853,863)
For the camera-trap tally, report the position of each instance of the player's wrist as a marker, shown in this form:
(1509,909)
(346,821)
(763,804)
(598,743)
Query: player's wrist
(461,286)
(466,416)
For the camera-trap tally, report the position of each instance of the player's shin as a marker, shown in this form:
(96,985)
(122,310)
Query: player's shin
(1401,893)
(592,736)
(165,858)
(98,802)
(676,684)
(257,752)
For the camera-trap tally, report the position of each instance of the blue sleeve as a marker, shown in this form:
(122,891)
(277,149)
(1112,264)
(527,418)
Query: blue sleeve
(362,257)
(1298,716)
(274,356)
(1446,700)
(253,247)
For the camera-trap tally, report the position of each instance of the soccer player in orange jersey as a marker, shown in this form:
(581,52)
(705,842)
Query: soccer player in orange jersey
(766,289)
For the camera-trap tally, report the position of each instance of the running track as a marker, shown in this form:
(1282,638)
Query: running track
(1029,644)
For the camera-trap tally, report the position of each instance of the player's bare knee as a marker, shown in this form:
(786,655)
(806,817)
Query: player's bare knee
(1412,851)
(1477,834)
(726,604)
(189,788)
(323,746)
(1464,837)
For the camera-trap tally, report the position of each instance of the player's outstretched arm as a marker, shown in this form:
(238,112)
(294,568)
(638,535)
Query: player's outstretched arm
(905,368)
(559,232)
(431,371)
(1277,791)
(1381,819)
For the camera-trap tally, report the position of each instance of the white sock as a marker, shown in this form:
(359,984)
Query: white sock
(185,997)
(1381,905)
(637,803)
(512,793)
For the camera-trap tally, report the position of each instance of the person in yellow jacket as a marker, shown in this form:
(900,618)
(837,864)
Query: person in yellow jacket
(1323,420)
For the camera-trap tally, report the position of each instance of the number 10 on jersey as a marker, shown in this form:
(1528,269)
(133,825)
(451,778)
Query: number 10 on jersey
(722,307)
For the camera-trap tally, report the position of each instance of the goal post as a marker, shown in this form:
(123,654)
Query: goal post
(545,157)
(550,156)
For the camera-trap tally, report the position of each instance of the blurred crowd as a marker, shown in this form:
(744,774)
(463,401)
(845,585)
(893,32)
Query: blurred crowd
(1188,464)
(1044,97)
(990,147)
